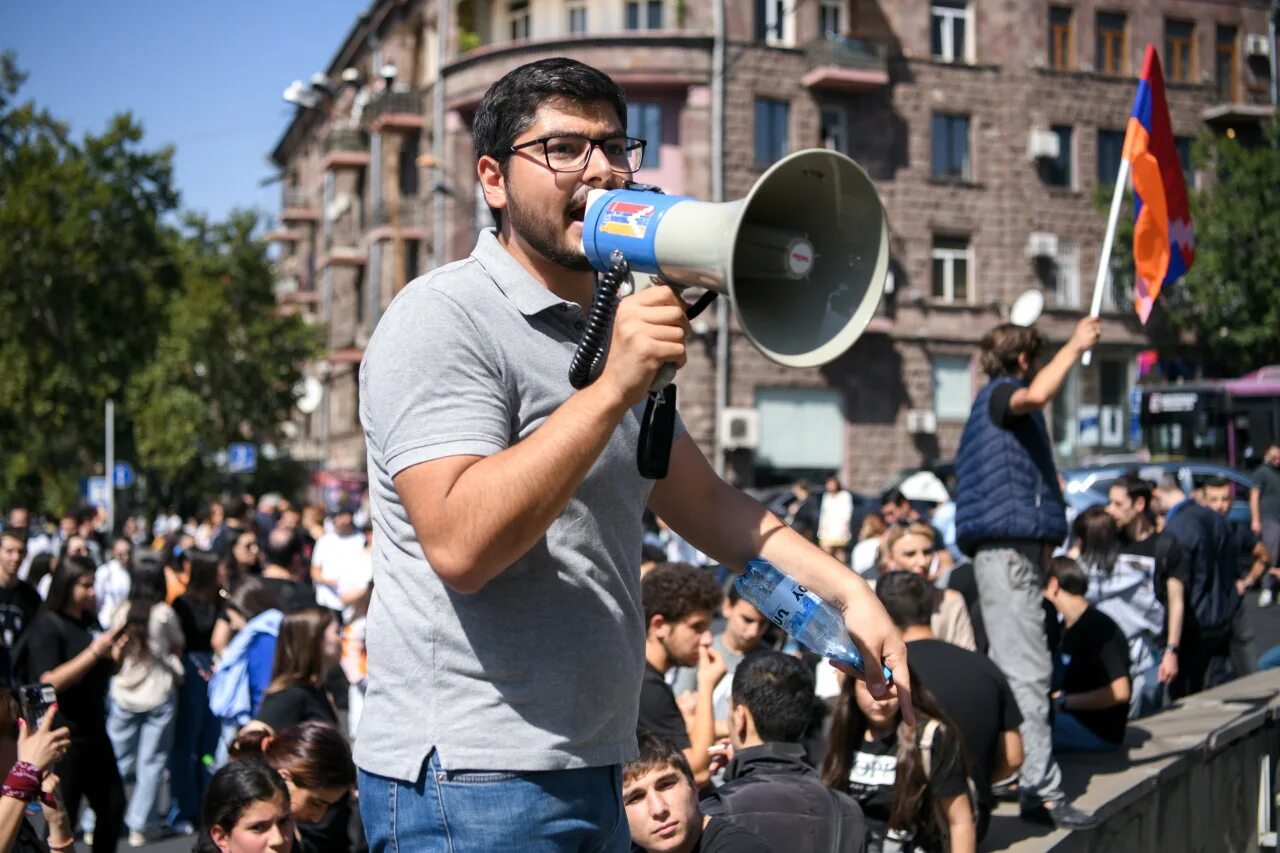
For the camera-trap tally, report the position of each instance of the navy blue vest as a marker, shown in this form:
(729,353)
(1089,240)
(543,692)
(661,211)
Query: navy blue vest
(1006,481)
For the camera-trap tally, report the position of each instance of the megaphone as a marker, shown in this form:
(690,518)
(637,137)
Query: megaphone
(803,257)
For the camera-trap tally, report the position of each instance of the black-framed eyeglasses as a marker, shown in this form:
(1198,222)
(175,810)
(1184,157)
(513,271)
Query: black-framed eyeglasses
(571,153)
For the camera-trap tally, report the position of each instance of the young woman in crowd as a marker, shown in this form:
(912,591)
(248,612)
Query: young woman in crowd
(910,548)
(196,733)
(27,760)
(1127,584)
(144,693)
(912,782)
(73,546)
(65,647)
(246,811)
(41,568)
(314,759)
(244,638)
(308,647)
(866,554)
(244,557)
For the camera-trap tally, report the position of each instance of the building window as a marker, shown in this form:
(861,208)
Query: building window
(644,14)
(1110,150)
(1227,64)
(773,119)
(644,121)
(1182,144)
(407,165)
(1057,172)
(577,19)
(952,262)
(1060,275)
(952,387)
(951,147)
(774,21)
(831,18)
(949,30)
(518,14)
(411,249)
(801,429)
(1062,38)
(835,128)
(1180,50)
(1112,56)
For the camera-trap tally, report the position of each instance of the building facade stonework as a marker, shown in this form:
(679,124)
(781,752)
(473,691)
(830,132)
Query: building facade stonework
(988,128)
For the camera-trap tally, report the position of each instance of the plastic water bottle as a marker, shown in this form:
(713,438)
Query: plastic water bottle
(799,612)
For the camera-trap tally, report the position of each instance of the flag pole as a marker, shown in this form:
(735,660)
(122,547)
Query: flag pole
(1104,261)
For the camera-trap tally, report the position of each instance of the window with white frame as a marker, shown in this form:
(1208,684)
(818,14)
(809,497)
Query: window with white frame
(950,22)
(1060,275)
(831,18)
(952,268)
(643,14)
(834,130)
(775,22)
(518,19)
(577,18)
(949,145)
(952,386)
(800,429)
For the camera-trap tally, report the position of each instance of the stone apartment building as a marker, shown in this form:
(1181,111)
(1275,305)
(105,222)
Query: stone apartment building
(988,128)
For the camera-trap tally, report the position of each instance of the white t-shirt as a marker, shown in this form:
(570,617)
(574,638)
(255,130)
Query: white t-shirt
(834,518)
(336,555)
(111,585)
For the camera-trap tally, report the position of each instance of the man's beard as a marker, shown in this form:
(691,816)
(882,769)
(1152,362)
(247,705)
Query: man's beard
(546,237)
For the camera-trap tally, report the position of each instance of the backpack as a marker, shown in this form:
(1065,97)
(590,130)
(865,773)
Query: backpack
(926,752)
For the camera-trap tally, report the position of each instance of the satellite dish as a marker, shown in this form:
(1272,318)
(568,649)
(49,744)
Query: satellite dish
(310,395)
(1026,308)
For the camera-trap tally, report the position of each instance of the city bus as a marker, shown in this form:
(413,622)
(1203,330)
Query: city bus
(1229,420)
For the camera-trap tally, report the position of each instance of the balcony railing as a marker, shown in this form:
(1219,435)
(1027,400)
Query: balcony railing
(295,199)
(844,62)
(385,103)
(405,213)
(346,139)
(343,234)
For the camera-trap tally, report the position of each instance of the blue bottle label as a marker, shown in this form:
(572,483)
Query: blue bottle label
(787,600)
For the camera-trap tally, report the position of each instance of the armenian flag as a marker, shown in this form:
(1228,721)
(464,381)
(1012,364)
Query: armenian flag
(1164,244)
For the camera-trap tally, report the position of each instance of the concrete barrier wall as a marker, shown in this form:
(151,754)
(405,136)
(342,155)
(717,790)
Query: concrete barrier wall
(1188,781)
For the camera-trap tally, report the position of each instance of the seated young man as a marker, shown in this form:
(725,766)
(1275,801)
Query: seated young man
(968,687)
(1092,695)
(679,601)
(662,807)
(769,787)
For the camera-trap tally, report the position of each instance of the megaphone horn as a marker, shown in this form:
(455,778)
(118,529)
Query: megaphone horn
(803,256)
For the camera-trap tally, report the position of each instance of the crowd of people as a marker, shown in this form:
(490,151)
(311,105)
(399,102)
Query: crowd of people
(187,648)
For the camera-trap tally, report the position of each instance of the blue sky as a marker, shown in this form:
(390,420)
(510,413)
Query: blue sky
(204,76)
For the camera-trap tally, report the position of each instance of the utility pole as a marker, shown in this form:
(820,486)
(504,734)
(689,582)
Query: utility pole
(110,417)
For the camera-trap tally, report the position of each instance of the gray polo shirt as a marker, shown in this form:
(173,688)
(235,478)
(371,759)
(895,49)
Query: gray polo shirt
(540,669)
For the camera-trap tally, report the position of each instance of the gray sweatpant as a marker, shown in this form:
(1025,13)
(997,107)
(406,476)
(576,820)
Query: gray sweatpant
(1010,586)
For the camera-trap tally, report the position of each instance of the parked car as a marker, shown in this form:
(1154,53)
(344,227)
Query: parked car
(1086,487)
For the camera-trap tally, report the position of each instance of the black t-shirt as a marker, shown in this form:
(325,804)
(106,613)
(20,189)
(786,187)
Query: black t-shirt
(725,836)
(874,769)
(197,620)
(998,404)
(1168,557)
(1244,540)
(51,641)
(1094,654)
(297,704)
(18,606)
(974,693)
(659,714)
(292,595)
(963,580)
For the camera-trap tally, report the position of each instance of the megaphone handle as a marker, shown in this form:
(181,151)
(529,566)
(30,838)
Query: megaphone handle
(657,432)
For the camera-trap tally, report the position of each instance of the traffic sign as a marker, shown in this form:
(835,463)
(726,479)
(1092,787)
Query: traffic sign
(122,475)
(242,458)
(96,491)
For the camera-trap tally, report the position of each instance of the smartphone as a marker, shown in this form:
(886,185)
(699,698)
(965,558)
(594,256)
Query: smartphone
(35,700)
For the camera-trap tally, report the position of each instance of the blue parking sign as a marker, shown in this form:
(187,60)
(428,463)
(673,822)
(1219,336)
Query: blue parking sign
(122,475)
(242,458)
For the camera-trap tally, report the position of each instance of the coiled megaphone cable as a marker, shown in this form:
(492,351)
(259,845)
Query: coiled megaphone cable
(588,358)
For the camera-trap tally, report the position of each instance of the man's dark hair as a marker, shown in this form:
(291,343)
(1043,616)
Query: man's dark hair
(14,533)
(239,509)
(1069,575)
(675,590)
(907,597)
(893,497)
(778,691)
(655,754)
(1135,487)
(1002,345)
(283,545)
(1216,482)
(509,107)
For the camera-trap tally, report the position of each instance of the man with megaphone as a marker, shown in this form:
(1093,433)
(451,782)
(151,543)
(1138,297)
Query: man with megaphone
(506,634)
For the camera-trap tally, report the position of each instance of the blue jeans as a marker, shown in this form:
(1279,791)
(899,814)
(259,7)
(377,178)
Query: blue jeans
(195,739)
(485,811)
(142,742)
(1071,735)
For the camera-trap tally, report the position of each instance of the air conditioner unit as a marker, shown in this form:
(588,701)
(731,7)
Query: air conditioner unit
(1256,44)
(1042,145)
(1041,244)
(739,429)
(922,422)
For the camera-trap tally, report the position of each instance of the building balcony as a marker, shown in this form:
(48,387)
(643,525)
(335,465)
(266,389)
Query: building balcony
(1246,105)
(845,64)
(401,213)
(298,206)
(394,111)
(346,139)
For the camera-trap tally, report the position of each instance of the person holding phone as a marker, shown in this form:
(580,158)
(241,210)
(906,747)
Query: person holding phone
(28,752)
(67,648)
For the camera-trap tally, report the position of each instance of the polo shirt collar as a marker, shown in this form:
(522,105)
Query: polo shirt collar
(524,291)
